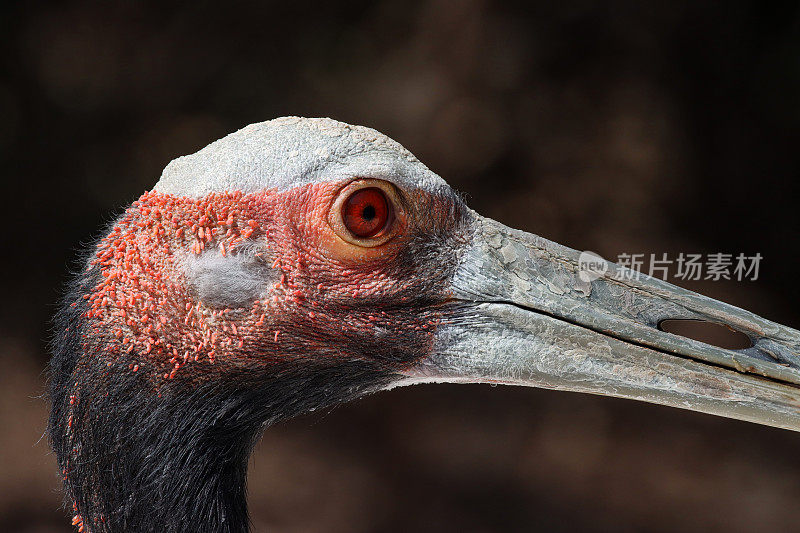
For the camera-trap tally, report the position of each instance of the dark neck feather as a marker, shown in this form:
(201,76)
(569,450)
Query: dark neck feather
(173,460)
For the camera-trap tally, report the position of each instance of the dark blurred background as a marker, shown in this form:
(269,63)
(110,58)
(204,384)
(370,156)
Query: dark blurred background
(618,126)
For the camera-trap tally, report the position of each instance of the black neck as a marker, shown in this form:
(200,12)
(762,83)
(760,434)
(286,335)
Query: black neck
(174,463)
(137,461)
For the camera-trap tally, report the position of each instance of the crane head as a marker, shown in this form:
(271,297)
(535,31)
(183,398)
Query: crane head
(316,242)
(298,263)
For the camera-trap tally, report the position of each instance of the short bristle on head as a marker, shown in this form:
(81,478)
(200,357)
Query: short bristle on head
(222,302)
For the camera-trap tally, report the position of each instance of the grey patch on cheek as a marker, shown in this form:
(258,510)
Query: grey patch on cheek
(231,281)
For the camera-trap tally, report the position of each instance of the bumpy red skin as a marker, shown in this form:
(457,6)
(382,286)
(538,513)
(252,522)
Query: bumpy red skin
(148,317)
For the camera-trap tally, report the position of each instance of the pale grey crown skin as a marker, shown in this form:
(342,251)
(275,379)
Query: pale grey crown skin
(291,151)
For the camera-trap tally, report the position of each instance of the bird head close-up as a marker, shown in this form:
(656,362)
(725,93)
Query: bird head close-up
(300,263)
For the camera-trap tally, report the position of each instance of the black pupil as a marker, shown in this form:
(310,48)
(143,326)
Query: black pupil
(368,213)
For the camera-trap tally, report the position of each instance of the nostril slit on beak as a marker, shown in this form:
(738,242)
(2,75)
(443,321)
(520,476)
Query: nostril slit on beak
(718,335)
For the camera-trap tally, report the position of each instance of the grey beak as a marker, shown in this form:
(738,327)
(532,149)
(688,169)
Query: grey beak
(528,314)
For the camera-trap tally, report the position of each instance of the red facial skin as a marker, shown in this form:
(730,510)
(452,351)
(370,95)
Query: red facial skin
(157,325)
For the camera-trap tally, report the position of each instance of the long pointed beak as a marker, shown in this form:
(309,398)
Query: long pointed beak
(527,314)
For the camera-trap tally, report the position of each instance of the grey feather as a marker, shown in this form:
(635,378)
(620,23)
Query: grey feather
(231,281)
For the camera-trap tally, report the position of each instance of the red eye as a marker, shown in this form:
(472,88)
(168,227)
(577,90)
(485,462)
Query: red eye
(366,212)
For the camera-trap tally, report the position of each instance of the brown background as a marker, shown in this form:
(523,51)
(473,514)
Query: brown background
(611,126)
